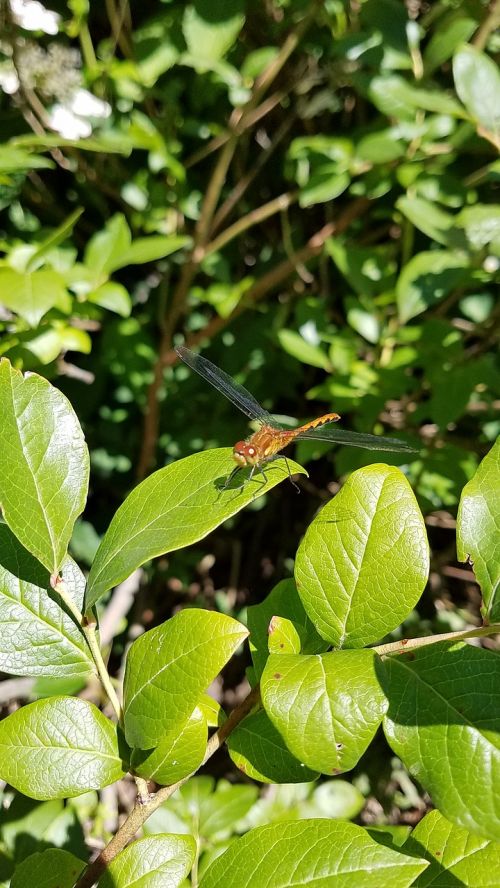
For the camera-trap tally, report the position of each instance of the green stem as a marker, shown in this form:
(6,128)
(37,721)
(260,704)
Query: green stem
(90,635)
(409,644)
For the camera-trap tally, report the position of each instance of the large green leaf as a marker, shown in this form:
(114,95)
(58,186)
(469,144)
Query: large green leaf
(444,724)
(323,853)
(168,669)
(174,507)
(427,279)
(456,856)
(326,707)
(282,601)
(44,464)
(179,752)
(258,749)
(38,636)
(59,747)
(32,294)
(52,868)
(477,81)
(161,861)
(364,561)
(478,529)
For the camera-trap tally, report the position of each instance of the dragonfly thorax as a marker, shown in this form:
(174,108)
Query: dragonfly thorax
(245,454)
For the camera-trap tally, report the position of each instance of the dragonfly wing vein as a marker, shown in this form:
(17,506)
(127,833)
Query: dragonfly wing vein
(358,439)
(221,381)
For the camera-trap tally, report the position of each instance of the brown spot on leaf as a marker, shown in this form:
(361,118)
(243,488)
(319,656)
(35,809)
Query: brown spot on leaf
(277,675)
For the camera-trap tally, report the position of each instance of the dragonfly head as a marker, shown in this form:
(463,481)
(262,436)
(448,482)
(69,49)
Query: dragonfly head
(245,454)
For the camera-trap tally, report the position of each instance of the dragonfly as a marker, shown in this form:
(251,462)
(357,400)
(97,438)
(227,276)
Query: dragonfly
(271,436)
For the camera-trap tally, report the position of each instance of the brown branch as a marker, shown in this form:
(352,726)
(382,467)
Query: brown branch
(253,218)
(490,24)
(246,116)
(244,183)
(141,812)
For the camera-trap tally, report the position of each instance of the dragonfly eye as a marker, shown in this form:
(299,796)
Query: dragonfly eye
(239,453)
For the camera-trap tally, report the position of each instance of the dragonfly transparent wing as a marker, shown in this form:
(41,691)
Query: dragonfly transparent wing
(357,439)
(236,393)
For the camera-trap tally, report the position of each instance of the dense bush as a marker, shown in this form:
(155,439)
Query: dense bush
(307,193)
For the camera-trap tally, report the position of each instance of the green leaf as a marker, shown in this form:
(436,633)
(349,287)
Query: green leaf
(147,249)
(216,813)
(14,159)
(179,752)
(456,856)
(169,667)
(282,601)
(396,97)
(477,82)
(52,868)
(55,238)
(369,272)
(38,636)
(443,722)
(174,507)
(296,346)
(435,222)
(323,853)
(478,529)
(325,183)
(454,28)
(426,279)
(364,561)
(112,296)
(482,226)
(257,748)
(211,29)
(283,637)
(32,295)
(326,707)
(338,799)
(59,748)
(44,464)
(162,861)
(105,249)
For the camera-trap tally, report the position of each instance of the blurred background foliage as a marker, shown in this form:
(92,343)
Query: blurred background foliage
(309,192)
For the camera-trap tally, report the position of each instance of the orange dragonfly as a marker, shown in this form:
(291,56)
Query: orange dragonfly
(271,437)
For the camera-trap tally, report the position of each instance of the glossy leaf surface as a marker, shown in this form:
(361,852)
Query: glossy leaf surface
(174,507)
(59,747)
(161,861)
(44,464)
(168,669)
(179,752)
(444,723)
(323,853)
(38,636)
(258,749)
(364,561)
(478,529)
(326,707)
(456,857)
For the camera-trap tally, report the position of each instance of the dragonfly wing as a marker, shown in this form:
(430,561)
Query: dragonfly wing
(357,439)
(221,381)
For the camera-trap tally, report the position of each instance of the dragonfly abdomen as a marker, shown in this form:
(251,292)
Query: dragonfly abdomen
(317,423)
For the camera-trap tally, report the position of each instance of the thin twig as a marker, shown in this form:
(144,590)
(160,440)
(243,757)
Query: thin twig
(253,218)
(489,24)
(410,644)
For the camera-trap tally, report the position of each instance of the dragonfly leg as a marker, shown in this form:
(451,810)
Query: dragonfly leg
(297,488)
